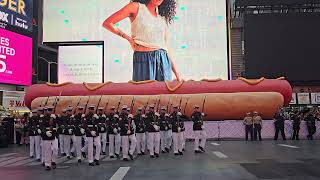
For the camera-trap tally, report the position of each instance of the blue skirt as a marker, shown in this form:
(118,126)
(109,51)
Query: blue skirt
(153,65)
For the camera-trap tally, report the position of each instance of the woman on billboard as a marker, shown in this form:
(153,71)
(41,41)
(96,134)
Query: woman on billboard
(152,59)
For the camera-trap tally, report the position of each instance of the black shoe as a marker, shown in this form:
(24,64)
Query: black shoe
(143,153)
(202,149)
(131,156)
(157,155)
(96,162)
(117,155)
(48,168)
(73,154)
(152,156)
(183,149)
(31,157)
(91,164)
(139,154)
(104,153)
(176,154)
(39,160)
(84,155)
(54,165)
(180,153)
(167,149)
(63,154)
(79,161)
(125,159)
(197,151)
(68,157)
(111,157)
(162,151)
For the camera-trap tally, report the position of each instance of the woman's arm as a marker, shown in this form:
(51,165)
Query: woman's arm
(170,55)
(128,11)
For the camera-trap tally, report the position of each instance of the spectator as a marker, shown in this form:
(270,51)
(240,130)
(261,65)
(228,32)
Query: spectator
(279,124)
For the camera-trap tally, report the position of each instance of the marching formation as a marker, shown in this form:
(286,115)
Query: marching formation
(78,134)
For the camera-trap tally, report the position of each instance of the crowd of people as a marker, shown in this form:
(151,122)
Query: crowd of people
(84,135)
(253,123)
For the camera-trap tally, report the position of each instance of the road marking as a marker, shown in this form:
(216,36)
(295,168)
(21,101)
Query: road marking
(289,146)
(5,159)
(120,173)
(11,161)
(215,144)
(20,163)
(219,154)
(8,154)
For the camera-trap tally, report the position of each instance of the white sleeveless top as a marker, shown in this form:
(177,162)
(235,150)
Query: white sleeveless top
(147,30)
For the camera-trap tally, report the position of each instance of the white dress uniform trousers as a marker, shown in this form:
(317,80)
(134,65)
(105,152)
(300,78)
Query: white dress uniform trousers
(35,146)
(78,146)
(103,141)
(114,144)
(67,142)
(50,151)
(141,142)
(164,138)
(154,142)
(125,145)
(199,135)
(177,141)
(61,143)
(97,143)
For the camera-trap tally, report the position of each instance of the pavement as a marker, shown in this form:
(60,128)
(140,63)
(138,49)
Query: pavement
(223,160)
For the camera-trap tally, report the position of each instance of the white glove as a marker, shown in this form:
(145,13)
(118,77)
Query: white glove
(30,115)
(167,115)
(156,127)
(166,128)
(70,131)
(39,131)
(202,114)
(120,119)
(116,116)
(157,114)
(48,133)
(96,116)
(115,130)
(102,128)
(93,133)
(41,115)
(82,131)
(53,116)
(144,116)
(128,132)
(108,119)
(130,116)
(179,129)
(179,114)
(72,116)
(202,127)
(83,115)
(104,116)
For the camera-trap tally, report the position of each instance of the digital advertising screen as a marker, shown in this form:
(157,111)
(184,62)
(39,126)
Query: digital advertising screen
(198,35)
(15,58)
(80,63)
(16,15)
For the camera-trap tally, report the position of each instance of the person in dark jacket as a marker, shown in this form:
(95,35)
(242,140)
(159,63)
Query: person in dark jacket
(198,129)
(311,125)
(34,135)
(153,128)
(79,132)
(140,132)
(279,125)
(296,120)
(177,134)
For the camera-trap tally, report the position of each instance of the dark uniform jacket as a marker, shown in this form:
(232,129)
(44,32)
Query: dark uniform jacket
(296,121)
(78,124)
(177,121)
(91,124)
(140,123)
(69,125)
(279,120)
(112,123)
(125,124)
(61,121)
(164,122)
(151,120)
(49,124)
(197,119)
(33,126)
(102,123)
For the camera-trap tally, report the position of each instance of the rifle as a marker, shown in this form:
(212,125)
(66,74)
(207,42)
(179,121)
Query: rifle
(158,103)
(132,105)
(56,102)
(168,104)
(107,103)
(119,104)
(184,111)
(180,103)
(45,104)
(98,104)
(145,107)
(85,107)
(77,105)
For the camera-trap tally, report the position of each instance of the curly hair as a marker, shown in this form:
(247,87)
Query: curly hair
(167,9)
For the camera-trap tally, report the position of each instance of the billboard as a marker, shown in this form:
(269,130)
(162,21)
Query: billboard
(198,36)
(15,58)
(16,14)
